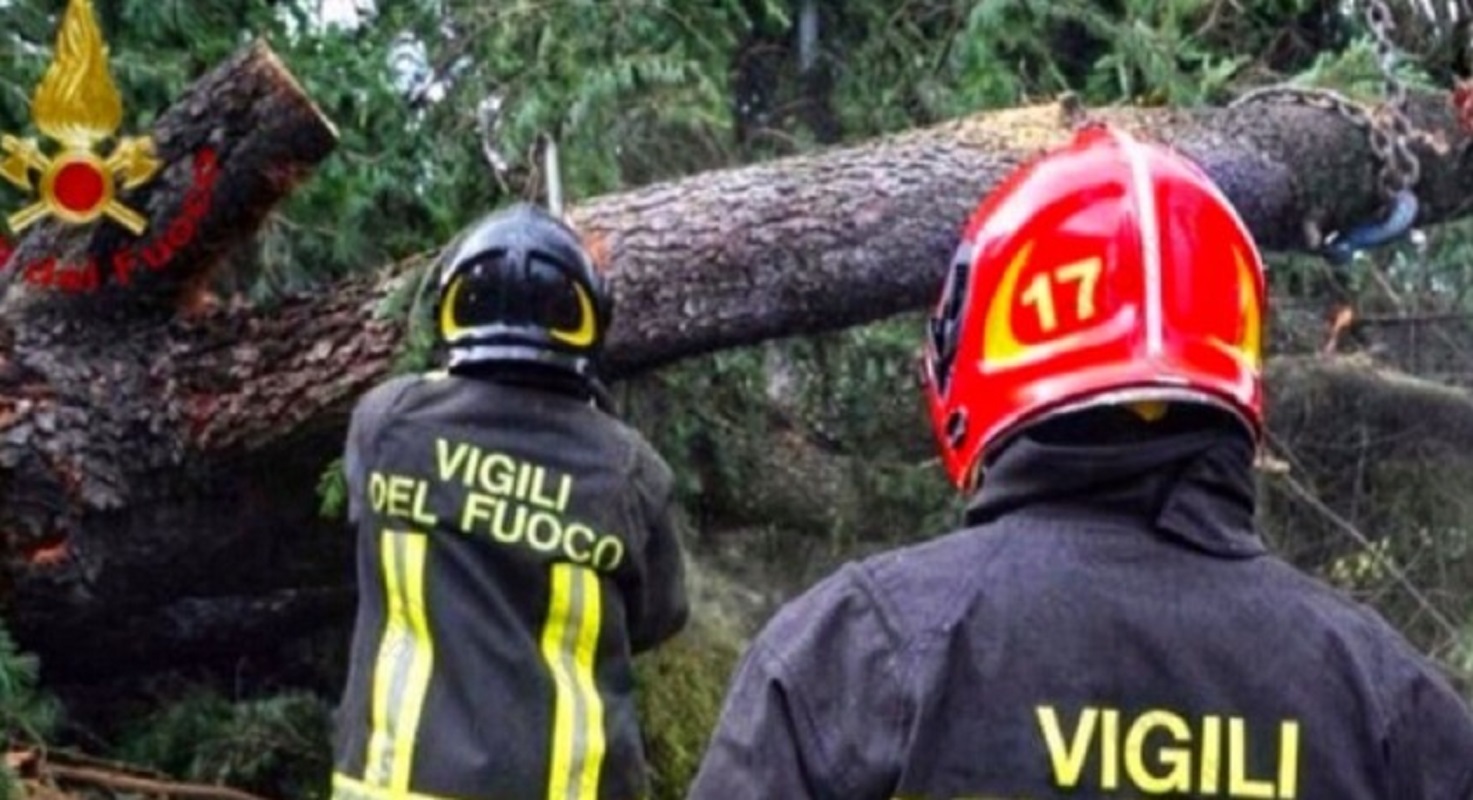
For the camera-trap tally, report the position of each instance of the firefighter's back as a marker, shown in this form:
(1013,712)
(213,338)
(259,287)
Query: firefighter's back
(491,652)
(515,542)
(1109,625)
(1063,654)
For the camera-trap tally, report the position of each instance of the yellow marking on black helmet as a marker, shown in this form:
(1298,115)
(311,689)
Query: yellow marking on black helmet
(448,327)
(583,336)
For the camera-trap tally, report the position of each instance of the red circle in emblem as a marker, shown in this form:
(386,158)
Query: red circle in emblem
(79,187)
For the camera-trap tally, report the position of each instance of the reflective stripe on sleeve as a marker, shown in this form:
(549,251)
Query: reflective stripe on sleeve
(405,658)
(569,646)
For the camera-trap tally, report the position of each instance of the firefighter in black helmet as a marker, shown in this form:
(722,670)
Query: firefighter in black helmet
(515,544)
(521,289)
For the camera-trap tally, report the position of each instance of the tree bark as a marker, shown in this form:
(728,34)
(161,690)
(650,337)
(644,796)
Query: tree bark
(182,483)
(90,425)
(239,140)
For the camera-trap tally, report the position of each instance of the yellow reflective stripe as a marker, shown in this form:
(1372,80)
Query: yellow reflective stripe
(552,646)
(346,788)
(593,755)
(381,741)
(405,659)
(569,646)
(423,658)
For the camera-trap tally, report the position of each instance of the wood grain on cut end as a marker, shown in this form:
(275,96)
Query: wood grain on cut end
(261,50)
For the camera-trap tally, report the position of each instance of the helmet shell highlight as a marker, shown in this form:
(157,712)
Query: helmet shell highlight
(519,286)
(1107,271)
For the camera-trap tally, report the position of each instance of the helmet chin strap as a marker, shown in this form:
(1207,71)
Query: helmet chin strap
(602,397)
(974,477)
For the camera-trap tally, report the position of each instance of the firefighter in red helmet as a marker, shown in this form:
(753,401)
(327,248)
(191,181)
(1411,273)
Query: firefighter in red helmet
(1109,623)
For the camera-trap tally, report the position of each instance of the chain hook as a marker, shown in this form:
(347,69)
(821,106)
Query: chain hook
(1389,132)
(1341,248)
(1401,170)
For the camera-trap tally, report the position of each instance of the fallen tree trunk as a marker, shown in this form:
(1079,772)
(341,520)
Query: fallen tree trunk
(204,536)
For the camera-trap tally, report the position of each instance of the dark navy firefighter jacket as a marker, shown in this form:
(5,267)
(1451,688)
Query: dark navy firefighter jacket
(1109,626)
(515,549)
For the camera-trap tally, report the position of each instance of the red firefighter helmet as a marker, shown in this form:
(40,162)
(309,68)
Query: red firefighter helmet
(1110,271)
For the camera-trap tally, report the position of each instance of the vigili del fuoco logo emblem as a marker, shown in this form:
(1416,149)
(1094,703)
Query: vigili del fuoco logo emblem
(77,107)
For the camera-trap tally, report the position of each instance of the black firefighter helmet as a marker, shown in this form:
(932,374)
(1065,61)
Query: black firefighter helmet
(519,286)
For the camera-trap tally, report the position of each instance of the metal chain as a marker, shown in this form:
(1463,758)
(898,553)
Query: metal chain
(1388,132)
(1401,169)
(1460,12)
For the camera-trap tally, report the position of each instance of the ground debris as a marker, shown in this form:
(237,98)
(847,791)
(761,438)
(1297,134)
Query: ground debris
(65,775)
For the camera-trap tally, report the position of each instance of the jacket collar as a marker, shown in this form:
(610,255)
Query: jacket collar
(1195,488)
(530,376)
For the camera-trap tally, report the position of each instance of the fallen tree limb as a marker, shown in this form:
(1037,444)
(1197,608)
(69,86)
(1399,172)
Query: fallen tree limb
(152,788)
(1380,463)
(56,773)
(238,412)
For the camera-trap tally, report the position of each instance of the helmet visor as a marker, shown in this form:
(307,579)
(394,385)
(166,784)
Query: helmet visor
(498,292)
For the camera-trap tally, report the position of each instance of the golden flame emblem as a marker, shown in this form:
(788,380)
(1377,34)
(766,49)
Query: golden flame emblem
(77,105)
